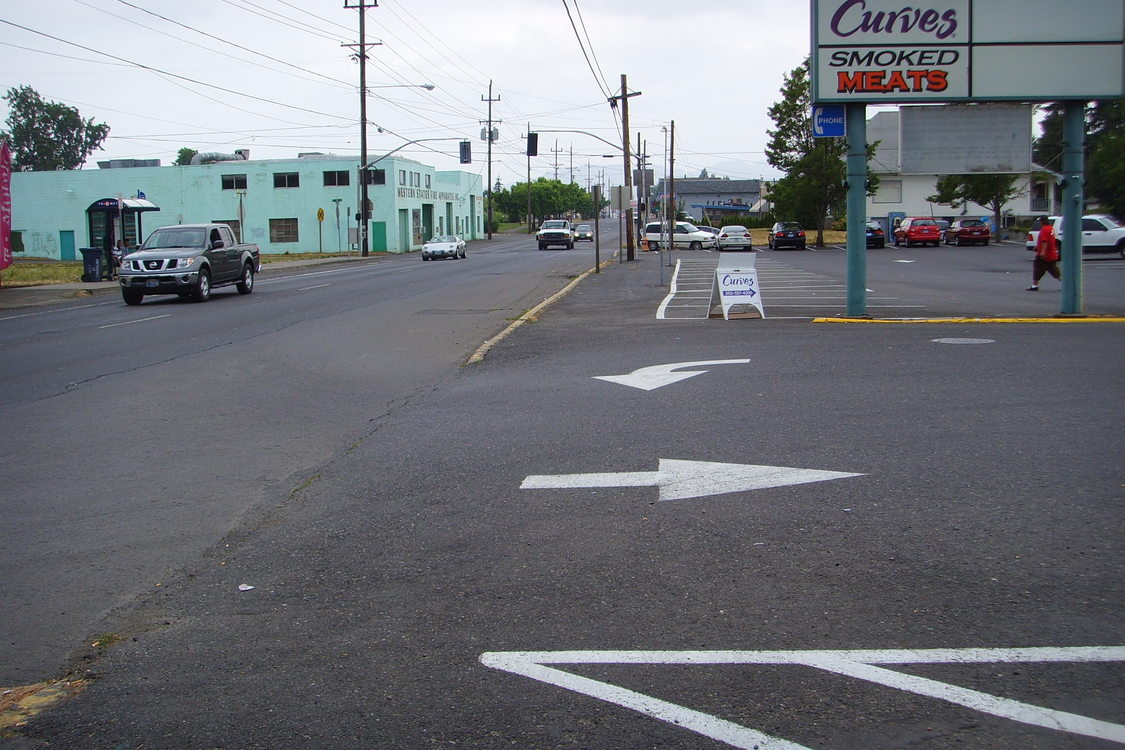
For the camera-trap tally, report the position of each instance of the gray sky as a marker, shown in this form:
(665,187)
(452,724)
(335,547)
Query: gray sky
(290,85)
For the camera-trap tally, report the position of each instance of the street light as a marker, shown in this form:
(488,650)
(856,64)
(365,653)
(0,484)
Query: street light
(364,203)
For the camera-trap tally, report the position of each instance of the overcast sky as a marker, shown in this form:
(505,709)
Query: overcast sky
(274,77)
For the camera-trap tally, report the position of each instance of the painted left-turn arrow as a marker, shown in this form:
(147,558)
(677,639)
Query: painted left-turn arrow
(650,378)
(680,480)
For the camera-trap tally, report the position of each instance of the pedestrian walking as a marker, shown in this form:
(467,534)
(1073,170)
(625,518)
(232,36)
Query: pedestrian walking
(1046,254)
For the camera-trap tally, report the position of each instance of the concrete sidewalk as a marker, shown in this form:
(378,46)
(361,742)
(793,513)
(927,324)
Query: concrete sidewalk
(16,297)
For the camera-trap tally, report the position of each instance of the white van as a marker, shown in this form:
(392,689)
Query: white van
(685,235)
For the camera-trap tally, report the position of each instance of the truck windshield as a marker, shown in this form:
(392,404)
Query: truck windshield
(175,238)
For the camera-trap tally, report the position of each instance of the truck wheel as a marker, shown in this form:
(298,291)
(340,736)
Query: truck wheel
(132,298)
(202,291)
(1121,248)
(542,246)
(695,246)
(246,284)
(653,245)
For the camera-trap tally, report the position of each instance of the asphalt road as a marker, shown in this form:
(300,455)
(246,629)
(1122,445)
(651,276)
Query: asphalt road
(141,436)
(925,552)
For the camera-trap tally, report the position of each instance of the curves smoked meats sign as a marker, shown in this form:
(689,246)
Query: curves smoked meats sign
(878,51)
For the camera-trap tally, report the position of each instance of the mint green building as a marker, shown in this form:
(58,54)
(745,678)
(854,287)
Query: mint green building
(306,204)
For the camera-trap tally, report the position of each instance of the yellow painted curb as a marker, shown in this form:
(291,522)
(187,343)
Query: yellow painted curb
(1090,319)
(532,314)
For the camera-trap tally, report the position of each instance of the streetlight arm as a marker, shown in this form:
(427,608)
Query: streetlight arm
(369,165)
(583,132)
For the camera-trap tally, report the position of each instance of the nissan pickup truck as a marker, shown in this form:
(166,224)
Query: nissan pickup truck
(189,260)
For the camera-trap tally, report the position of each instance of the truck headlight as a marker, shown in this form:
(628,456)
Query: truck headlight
(182,263)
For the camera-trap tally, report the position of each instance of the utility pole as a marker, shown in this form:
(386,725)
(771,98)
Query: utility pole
(529,150)
(361,55)
(490,100)
(630,247)
(556,151)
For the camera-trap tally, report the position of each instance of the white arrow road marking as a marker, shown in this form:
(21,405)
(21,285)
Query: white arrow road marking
(651,378)
(859,664)
(679,480)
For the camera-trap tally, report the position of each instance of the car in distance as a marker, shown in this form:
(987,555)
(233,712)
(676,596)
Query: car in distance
(188,260)
(685,235)
(709,230)
(1100,234)
(443,246)
(583,233)
(967,232)
(874,235)
(555,232)
(735,237)
(917,230)
(786,234)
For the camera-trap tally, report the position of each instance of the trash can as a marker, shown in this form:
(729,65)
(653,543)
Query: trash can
(93,263)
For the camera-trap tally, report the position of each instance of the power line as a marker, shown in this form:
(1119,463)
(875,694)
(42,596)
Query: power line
(225,41)
(174,75)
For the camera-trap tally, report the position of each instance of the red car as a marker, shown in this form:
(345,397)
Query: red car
(967,232)
(917,230)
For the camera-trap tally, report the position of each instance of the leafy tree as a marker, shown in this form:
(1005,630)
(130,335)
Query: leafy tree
(991,191)
(548,198)
(1105,163)
(47,136)
(1105,156)
(814,168)
(184,155)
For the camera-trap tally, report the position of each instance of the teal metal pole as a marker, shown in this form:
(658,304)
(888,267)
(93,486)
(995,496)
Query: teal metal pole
(856,123)
(1074,137)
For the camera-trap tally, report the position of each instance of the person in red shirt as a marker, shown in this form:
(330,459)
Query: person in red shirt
(1046,254)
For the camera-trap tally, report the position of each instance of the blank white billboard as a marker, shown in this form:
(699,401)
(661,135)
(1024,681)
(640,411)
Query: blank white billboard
(965,138)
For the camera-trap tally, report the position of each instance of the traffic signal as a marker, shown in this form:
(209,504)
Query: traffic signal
(533,144)
(466,152)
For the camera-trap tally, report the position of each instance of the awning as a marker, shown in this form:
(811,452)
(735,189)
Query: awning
(129,204)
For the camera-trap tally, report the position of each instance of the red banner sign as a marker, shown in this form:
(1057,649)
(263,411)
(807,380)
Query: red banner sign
(5,206)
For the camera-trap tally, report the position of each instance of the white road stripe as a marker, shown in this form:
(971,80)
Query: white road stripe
(138,320)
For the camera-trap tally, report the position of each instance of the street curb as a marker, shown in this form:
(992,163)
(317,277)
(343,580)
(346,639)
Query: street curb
(532,315)
(1076,319)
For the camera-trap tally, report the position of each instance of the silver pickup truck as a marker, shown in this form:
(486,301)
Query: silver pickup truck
(189,260)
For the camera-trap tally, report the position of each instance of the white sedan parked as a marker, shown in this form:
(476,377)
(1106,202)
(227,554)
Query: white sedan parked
(735,237)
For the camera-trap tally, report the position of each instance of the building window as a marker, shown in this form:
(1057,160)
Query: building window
(283,230)
(427,182)
(233,181)
(337,179)
(890,191)
(402,177)
(286,179)
(417,179)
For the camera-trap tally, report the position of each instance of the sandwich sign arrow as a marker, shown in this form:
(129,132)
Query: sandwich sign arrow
(681,480)
(651,378)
